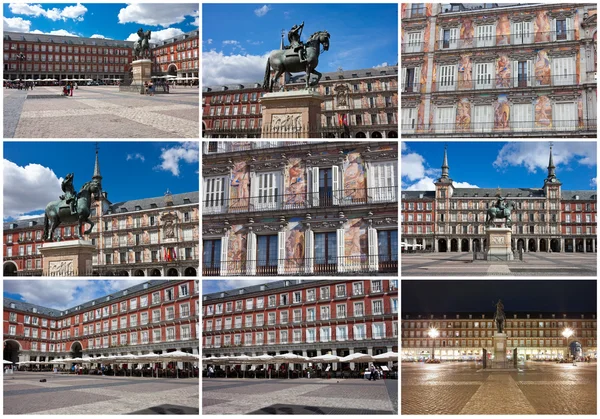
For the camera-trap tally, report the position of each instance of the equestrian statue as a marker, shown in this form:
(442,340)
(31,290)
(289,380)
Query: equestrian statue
(499,316)
(71,207)
(141,47)
(500,210)
(297,57)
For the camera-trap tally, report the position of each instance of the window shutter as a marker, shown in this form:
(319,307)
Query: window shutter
(403,79)
(417,79)
(224,251)
(515,73)
(569,24)
(315,186)
(309,251)
(251,254)
(373,250)
(553,30)
(529,68)
(281,253)
(341,265)
(335,184)
(453,37)
(527,33)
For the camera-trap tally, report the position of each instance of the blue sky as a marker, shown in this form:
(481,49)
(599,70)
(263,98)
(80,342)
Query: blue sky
(491,164)
(117,21)
(362,36)
(63,294)
(130,170)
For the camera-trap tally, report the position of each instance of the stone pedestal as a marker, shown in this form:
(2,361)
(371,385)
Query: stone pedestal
(68,258)
(294,114)
(498,243)
(499,350)
(142,71)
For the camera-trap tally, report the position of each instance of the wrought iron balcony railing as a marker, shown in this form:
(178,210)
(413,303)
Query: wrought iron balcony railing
(544,126)
(213,147)
(307,266)
(492,40)
(488,82)
(217,204)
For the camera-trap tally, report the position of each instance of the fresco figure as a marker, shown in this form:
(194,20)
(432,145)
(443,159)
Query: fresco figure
(423,81)
(503,31)
(421,116)
(542,68)
(294,247)
(465,72)
(239,185)
(355,239)
(467,33)
(543,112)
(503,72)
(354,177)
(463,115)
(541,27)
(580,112)
(236,253)
(501,113)
(295,184)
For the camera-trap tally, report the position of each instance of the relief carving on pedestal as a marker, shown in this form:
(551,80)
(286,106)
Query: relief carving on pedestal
(497,240)
(288,122)
(60,268)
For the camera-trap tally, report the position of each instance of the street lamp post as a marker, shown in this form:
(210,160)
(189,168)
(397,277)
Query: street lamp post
(21,57)
(567,333)
(433,333)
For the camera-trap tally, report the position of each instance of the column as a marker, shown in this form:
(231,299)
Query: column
(435,245)
(304,365)
(562,245)
(537,248)
(390,363)
(471,245)
(352,363)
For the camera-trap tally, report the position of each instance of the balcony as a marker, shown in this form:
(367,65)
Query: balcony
(301,201)
(487,82)
(213,147)
(523,38)
(412,47)
(315,266)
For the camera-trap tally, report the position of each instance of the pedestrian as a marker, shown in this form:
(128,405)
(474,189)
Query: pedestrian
(146,87)
(72,89)
(151,89)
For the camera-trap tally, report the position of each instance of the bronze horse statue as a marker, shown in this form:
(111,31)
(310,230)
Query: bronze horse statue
(58,212)
(288,60)
(494,212)
(141,47)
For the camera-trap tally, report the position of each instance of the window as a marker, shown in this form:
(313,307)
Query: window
(324,313)
(297,296)
(325,334)
(215,189)
(271,318)
(340,290)
(563,71)
(483,75)
(341,333)
(310,335)
(483,118)
(123,322)
(383,182)
(170,313)
(414,42)
(565,116)
(260,319)
(324,293)
(387,244)
(155,335)
(561,29)
(360,332)
(283,300)
(449,37)
(359,309)
(522,117)
(169,294)
(283,336)
(378,330)
(310,295)
(444,119)
(485,35)
(409,120)
(267,254)
(411,78)
(266,187)
(377,307)
(325,252)
(271,338)
(357,288)
(446,78)
(376,286)
(156,298)
(340,311)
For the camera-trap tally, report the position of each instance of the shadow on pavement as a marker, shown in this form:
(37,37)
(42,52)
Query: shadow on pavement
(168,409)
(290,409)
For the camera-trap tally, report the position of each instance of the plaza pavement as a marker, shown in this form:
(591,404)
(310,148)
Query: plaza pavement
(459,388)
(298,396)
(101,112)
(85,395)
(533,264)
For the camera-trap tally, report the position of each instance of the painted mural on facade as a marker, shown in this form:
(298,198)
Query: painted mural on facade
(580,111)
(423,80)
(465,72)
(294,180)
(294,246)
(541,27)
(463,115)
(543,112)
(240,185)
(354,177)
(421,115)
(467,33)
(503,72)
(355,238)
(426,36)
(236,252)
(542,68)
(503,30)
(501,113)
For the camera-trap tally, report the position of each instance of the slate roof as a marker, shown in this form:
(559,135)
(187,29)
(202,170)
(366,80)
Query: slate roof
(28,307)
(584,195)
(416,194)
(146,203)
(489,315)
(68,40)
(237,87)
(271,286)
(24,223)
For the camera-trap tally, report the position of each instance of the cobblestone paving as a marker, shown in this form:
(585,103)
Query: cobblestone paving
(24,394)
(102,112)
(315,396)
(459,388)
(534,264)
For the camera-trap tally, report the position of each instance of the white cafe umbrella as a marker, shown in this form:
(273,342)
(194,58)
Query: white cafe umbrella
(7,362)
(241,359)
(357,357)
(176,356)
(386,357)
(289,358)
(325,358)
(149,359)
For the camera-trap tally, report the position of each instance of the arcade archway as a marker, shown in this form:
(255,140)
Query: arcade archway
(172,71)
(172,272)
(543,245)
(76,350)
(442,245)
(10,268)
(155,272)
(531,246)
(476,245)
(454,245)
(464,245)
(11,350)
(139,272)
(189,271)
(555,245)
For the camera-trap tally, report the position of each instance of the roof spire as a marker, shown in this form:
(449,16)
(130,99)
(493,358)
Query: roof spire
(551,167)
(282,35)
(445,164)
(97,175)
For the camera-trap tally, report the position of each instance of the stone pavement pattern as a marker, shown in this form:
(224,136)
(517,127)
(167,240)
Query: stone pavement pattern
(102,112)
(534,264)
(299,396)
(70,394)
(458,388)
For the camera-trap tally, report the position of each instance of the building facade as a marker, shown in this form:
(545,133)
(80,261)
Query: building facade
(153,317)
(496,70)
(546,219)
(463,336)
(366,98)
(299,208)
(304,317)
(62,57)
(178,56)
(144,237)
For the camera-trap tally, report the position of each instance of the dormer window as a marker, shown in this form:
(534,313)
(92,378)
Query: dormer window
(138,208)
(12,305)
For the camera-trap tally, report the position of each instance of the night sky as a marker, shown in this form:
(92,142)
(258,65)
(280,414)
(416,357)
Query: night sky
(517,295)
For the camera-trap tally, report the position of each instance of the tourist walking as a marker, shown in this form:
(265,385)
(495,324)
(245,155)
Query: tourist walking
(72,89)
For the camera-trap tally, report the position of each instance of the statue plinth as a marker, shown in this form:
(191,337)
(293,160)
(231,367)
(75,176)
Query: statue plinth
(68,258)
(499,349)
(142,72)
(498,241)
(293,114)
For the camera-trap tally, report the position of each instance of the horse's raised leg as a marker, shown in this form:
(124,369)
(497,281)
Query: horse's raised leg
(277,75)
(89,230)
(319,75)
(55,223)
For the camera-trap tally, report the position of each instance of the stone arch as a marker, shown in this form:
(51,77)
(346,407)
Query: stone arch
(139,272)
(454,245)
(76,349)
(376,134)
(360,134)
(464,245)
(555,245)
(172,70)
(442,245)
(12,349)
(155,272)
(392,134)
(172,272)
(531,245)
(10,268)
(190,271)
(543,245)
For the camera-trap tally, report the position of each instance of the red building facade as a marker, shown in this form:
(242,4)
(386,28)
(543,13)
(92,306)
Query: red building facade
(153,317)
(178,56)
(231,107)
(417,218)
(306,317)
(578,221)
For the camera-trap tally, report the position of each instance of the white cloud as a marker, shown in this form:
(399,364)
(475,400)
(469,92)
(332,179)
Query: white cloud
(16,24)
(261,11)
(158,36)
(70,12)
(383,64)
(230,42)
(28,217)
(60,32)
(99,36)
(534,155)
(413,167)
(424,184)
(593,182)
(158,14)
(254,42)
(220,69)
(136,156)
(28,188)
(188,152)
(464,185)
(196,17)
(209,41)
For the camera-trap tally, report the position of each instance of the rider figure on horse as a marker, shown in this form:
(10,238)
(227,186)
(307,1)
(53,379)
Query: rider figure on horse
(295,43)
(70,195)
(500,203)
